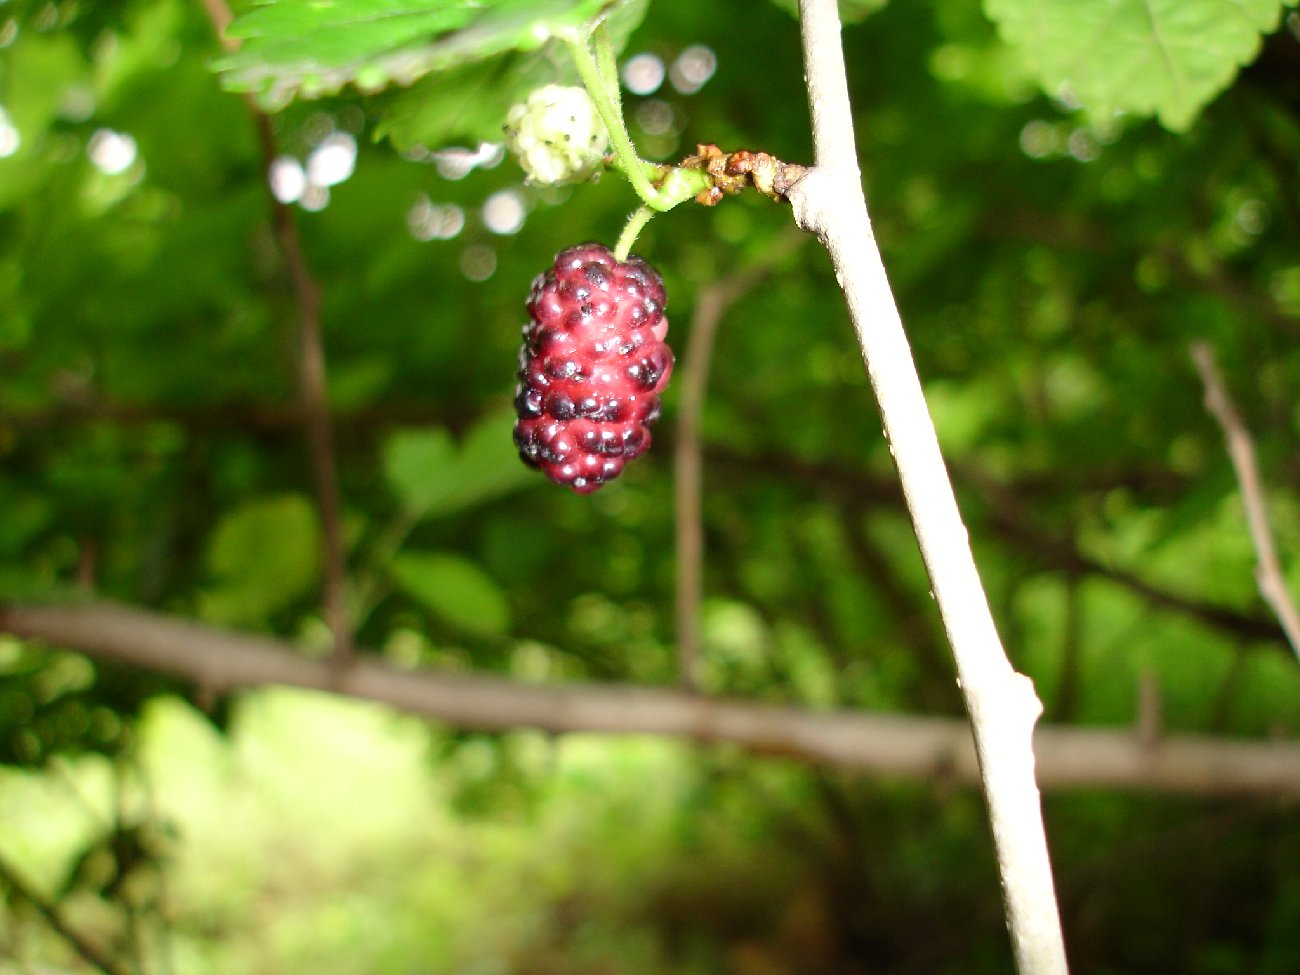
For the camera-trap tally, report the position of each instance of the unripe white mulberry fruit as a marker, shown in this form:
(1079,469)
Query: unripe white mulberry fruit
(557,135)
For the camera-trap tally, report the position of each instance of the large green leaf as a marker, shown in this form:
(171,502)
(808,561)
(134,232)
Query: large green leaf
(36,72)
(314,47)
(454,589)
(466,104)
(262,556)
(1152,57)
(432,477)
(418,466)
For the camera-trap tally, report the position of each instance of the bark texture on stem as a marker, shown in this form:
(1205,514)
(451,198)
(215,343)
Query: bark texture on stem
(1003,707)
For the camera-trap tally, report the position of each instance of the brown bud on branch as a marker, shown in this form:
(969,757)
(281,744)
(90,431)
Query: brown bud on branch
(731,172)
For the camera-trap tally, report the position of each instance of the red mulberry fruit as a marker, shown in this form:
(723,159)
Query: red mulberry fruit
(592,367)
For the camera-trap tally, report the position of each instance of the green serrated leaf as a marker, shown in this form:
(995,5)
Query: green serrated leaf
(433,478)
(262,556)
(454,589)
(487,466)
(1167,58)
(308,48)
(466,105)
(418,466)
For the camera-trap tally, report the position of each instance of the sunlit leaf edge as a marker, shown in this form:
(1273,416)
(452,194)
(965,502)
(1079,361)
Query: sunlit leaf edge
(278,69)
(1087,64)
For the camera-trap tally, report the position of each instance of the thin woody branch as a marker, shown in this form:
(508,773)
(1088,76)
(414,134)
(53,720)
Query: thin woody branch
(711,305)
(313,392)
(1241,450)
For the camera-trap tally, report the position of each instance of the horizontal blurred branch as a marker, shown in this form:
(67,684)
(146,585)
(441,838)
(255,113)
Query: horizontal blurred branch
(219,661)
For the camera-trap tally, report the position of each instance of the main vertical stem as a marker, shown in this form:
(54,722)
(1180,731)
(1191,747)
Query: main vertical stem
(1001,703)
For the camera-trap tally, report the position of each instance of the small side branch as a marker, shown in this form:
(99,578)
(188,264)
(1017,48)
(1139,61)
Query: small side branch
(711,306)
(315,405)
(712,303)
(1241,450)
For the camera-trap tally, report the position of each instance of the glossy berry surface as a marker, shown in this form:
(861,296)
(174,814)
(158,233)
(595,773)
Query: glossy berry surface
(592,367)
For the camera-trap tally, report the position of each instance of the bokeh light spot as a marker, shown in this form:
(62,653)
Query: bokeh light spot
(1251,218)
(693,68)
(458,162)
(655,116)
(10,140)
(1083,145)
(1038,139)
(478,262)
(288,179)
(427,220)
(503,213)
(111,152)
(333,161)
(314,197)
(643,74)
(77,103)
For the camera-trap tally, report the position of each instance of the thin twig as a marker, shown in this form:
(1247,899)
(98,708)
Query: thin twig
(312,387)
(89,951)
(1007,511)
(1069,679)
(1241,450)
(712,303)
(1002,704)
(315,403)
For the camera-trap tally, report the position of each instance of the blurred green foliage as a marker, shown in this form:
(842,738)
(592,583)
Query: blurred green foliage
(1052,264)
